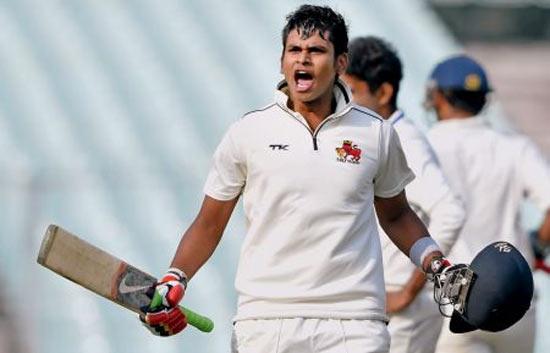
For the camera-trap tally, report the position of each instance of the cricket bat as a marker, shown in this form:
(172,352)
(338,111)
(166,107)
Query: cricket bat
(104,274)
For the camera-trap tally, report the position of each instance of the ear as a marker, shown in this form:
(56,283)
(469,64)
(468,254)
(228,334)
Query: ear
(438,98)
(384,93)
(341,63)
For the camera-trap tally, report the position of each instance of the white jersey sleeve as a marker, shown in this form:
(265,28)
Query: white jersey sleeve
(227,175)
(430,194)
(535,173)
(393,173)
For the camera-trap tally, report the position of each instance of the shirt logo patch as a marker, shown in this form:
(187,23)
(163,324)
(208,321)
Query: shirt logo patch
(279,147)
(348,153)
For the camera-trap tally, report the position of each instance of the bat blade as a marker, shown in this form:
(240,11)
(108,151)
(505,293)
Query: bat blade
(102,273)
(90,267)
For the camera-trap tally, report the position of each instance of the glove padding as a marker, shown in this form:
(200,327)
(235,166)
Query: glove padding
(172,287)
(166,322)
(166,319)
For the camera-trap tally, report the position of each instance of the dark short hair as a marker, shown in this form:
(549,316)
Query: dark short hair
(375,61)
(471,102)
(308,19)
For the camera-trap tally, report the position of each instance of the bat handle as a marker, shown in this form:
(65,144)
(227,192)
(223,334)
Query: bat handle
(200,322)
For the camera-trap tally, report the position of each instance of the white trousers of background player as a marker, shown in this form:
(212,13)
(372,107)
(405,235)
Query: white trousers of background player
(301,335)
(417,327)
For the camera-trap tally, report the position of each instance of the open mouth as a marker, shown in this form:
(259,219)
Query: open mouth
(303,79)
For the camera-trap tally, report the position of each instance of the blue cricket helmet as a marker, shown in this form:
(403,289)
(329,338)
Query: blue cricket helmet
(460,73)
(501,293)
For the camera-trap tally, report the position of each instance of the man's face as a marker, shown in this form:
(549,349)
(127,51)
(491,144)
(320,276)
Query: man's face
(361,93)
(309,66)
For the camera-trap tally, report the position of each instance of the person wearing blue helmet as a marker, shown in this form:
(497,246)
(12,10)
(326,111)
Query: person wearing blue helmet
(492,172)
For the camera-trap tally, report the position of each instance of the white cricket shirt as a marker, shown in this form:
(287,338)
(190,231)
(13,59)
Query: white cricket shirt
(312,247)
(492,172)
(428,194)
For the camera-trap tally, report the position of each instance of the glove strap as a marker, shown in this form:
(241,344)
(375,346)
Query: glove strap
(180,275)
(437,265)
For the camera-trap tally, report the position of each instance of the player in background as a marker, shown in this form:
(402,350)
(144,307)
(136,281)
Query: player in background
(493,172)
(312,169)
(374,73)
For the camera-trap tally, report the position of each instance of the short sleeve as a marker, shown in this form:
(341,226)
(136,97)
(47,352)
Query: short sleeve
(535,172)
(227,175)
(430,185)
(393,172)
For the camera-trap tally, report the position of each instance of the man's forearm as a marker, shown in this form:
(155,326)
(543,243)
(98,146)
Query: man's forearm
(201,239)
(405,229)
(544,230)
(415,283)
(195,248)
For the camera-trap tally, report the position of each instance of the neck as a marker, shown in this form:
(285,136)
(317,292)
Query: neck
(453,114)
(314,112)
(386,111)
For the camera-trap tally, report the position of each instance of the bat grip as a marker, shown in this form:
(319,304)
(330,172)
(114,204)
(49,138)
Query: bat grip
(200,322)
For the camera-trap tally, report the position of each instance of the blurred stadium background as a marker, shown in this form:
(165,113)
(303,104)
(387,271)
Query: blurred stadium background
(111,109)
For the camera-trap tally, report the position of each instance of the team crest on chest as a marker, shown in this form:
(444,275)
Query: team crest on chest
(348,153)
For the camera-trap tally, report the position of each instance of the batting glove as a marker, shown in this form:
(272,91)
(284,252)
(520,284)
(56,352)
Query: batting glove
(171,287)
(438,265)
(166,322)
(167,319)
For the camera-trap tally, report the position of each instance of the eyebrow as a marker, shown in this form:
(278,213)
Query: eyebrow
(318,47)
(310,47)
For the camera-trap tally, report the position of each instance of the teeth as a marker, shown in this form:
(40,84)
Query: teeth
(303,74)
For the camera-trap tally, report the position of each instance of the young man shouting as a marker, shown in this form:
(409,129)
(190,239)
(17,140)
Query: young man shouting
(311,168)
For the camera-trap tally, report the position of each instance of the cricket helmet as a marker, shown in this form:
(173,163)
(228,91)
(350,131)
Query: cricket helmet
(460,72)
(501,292)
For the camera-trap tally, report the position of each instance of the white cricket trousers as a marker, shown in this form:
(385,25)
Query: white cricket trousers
(301,335)
(416,328)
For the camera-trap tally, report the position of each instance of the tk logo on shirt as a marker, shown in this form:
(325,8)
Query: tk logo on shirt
(279,147)
(348,153)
